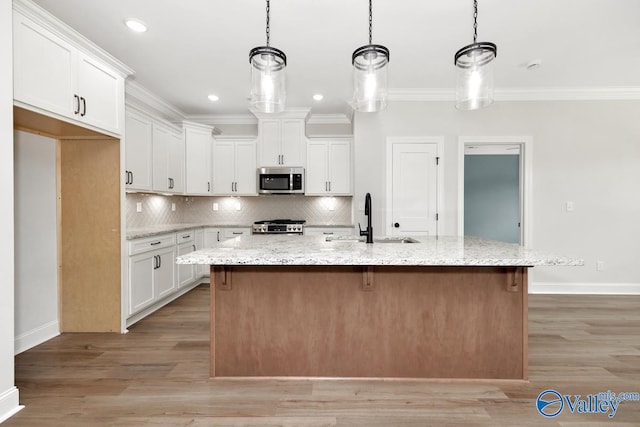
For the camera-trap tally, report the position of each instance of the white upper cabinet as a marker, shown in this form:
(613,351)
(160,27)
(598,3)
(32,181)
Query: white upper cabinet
(54,77)
(328,167)
(282,141)
(198,146)
(168,160)
(138,151)
(234,167)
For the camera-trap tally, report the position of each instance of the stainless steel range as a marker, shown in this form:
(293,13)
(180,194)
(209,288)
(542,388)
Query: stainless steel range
(279,226)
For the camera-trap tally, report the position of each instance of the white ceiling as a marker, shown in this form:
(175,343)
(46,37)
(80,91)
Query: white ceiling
(197,47)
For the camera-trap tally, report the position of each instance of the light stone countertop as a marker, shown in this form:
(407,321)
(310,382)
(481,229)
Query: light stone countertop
(154,230)
(316,250)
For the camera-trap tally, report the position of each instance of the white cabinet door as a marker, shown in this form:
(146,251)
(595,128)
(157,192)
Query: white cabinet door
(317,182)
(270,146)
(198,161)
(138,144)
(101,94)
(339,170)
(201,270)
(176,162)
(168,161)
(164,275)
(245,162)
(186,272)
(43,68)
(160,162)
(293,142)
(224,168)
(141,272)
(212,236)
(233,232)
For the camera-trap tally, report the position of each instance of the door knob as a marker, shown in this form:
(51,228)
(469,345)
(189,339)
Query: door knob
(396,225)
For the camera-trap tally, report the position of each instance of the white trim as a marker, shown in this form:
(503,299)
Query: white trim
(585,288)
(227,119)
(36,336)
(523,94)
(138,95)
(289,113)
(527,174)
(439,141)
(45,19)
(9,404)
(329,119)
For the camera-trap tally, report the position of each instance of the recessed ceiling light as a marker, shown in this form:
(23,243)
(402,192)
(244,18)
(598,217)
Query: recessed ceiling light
(136,25)
(318,97)
(213,98)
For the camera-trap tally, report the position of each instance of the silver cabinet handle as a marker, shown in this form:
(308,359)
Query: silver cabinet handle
(208,186)
(238,232)
(155,243)
(329,185)
(194,247)
(327,232)
(218,236)
(187,236)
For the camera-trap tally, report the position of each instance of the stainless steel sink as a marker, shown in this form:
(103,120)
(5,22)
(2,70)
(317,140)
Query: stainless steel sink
(396,240)
(380,240)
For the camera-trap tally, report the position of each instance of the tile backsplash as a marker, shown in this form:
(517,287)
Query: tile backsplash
(157,209)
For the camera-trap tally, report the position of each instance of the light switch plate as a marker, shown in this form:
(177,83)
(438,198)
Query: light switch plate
(173,207)
(215,207)
(138,206)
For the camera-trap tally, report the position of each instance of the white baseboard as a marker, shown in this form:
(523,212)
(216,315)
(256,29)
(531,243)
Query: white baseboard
(9,404)
(36,336)
(585,288)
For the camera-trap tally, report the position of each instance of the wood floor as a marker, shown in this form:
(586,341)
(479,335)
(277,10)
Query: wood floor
(157,375)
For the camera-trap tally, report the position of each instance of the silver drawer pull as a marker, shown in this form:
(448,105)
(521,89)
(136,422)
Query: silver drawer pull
(238,232)
(155,243)
(186,237)
(327,232)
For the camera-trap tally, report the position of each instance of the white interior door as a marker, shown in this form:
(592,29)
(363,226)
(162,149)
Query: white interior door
(414,184)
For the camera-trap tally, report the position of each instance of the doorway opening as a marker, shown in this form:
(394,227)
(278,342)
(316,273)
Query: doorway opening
(494,188)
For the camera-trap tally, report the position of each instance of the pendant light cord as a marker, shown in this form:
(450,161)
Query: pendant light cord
(268,29)
(370,21)
(475,20)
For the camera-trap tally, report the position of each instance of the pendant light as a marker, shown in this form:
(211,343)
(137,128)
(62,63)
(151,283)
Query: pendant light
(474,88)
(268,76)
(370,65)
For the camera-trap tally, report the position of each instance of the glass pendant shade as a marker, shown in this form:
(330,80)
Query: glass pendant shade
(370,69)
(268,67)
(474,64)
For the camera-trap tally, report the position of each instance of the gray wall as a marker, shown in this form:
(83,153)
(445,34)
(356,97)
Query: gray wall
(492,197)
(36,289)
(587,152)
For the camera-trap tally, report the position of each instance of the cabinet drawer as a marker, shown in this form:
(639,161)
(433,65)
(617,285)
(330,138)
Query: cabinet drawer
(230,233)
(186,236)
(139,246)
(328,231)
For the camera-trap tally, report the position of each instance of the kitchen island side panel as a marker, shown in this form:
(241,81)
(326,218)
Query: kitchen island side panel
(380,322)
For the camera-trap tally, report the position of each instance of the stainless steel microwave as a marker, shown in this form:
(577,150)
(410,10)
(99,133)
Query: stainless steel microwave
(280,180)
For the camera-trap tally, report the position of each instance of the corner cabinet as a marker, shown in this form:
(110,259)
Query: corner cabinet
(234,167)
(198,145)
(329,168)
(51,75)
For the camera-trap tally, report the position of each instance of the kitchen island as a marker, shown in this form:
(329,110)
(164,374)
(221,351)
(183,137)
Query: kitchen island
(308,306)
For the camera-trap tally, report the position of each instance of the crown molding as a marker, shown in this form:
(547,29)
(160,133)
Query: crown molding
(289,113)
(522,94)
(62,30)
(227,119)
(329,119)
(138,95)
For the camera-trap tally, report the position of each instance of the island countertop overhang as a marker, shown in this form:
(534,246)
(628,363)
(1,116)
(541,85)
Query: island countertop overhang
(276,250)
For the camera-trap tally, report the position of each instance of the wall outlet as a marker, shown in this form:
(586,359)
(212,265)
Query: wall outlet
(215,207)
(601,266)
(570,206)
(238,206)
(173,207)
(138,206)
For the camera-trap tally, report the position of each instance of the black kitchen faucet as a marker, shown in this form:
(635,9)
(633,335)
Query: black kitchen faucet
(367,211)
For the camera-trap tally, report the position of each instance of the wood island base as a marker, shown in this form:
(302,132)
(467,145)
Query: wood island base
(362,321)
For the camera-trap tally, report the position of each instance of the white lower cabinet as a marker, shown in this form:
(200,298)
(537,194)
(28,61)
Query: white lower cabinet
(152,270)
(154,278)
(186,243)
